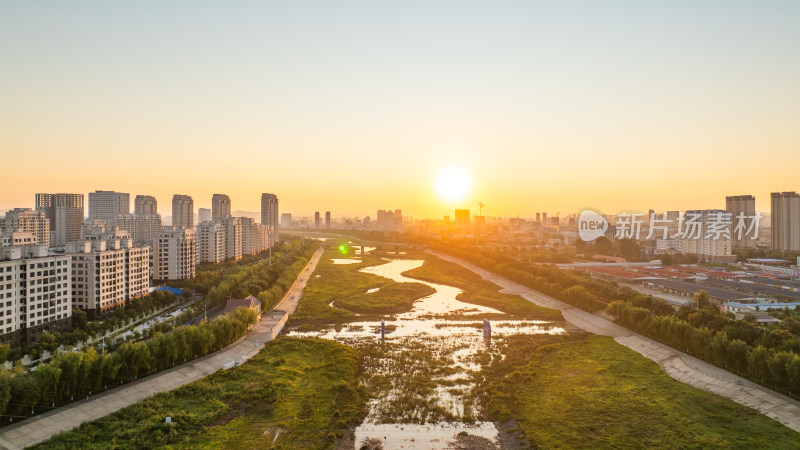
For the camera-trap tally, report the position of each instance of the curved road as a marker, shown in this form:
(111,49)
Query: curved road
(678,365)
(39,428)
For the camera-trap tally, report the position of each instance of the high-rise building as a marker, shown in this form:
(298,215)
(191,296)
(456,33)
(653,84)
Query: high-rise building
(539,217)
(203,215)
(233,238)
(182,211)
(108,204)
(175,254)
(255,236)
(785,221)
(108,270)
(211,242)
(143,228)
(144,205)
(34,293)
(390,221)
(745,206)
(316,220)
(26,220)
(462,219)
(220,207)
(327,219)
(286,220)
(65,213)
(269,214)
(701,240)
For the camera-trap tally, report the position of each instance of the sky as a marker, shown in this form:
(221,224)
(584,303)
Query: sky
(357,106)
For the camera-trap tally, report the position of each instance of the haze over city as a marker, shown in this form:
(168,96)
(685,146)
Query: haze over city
(400,225)
(350,106)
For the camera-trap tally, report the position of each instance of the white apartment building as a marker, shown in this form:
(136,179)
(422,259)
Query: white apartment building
(182,211)
(108,271)
(143,228)
(34,293)
(706,245)
(145,205)
(26,220)
(211,242)
(233,238)
(108,204)
(175,254)
(255,236)
(65,213)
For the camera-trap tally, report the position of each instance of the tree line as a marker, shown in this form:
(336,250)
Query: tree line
(75,375)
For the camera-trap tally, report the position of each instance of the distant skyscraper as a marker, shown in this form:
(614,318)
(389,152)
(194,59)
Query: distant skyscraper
(182,211)
(327,219)
(538,217)
(145,205)
(220,207)
(785,221)
(316,219)
(107,204)
(269,214)
(390,221)
(203,215)
(286,220)
(462,219)
(746,205)
(65,212)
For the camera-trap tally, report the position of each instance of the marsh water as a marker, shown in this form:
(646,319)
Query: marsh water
(423,373)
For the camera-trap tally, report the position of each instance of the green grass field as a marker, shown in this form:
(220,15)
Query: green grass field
(306,388)
(347,288)
(477,290)
(584,391)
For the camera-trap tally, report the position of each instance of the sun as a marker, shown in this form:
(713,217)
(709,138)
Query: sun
(453,184)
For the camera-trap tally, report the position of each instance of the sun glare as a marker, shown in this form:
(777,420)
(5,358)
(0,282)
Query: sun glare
(453,184)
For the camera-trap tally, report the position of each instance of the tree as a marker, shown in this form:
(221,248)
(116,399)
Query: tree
(79,319)
(701,299)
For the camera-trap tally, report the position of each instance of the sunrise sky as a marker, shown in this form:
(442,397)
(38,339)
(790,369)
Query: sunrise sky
(355,106)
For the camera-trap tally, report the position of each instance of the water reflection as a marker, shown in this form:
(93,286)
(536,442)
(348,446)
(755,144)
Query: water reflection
(424,371)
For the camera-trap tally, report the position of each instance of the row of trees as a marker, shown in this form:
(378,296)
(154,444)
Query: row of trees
(252,276)
(78,374)
(779,369)
(84,329)
(74,375)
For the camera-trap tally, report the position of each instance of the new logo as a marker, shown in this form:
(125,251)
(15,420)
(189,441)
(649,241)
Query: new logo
(591,225)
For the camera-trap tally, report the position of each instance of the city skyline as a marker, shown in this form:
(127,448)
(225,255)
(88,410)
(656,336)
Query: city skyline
(545,107)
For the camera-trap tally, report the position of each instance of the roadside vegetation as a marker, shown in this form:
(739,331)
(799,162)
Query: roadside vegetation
(251,275)
(582,391)
(296,393)
(75,375)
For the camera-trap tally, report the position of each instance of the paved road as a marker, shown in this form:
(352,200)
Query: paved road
(39,428)
(678,365)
